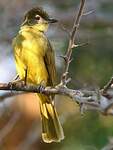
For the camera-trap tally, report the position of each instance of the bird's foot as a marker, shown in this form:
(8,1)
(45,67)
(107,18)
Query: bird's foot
(41,88)
(14,83)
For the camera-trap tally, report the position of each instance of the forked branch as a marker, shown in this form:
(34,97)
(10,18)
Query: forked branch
(71,44)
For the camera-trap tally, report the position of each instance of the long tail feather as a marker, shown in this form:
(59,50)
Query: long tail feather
(51,128)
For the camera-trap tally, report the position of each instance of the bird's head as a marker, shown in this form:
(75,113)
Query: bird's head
(37,18)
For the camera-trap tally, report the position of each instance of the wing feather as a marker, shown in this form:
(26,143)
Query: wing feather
(49,59)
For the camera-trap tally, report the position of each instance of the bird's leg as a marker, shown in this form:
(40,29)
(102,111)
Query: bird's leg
(25,80)
(16,80)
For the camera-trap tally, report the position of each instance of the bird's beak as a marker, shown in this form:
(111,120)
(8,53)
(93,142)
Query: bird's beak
(51,20)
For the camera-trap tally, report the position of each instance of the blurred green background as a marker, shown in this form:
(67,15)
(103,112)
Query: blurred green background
(91,68)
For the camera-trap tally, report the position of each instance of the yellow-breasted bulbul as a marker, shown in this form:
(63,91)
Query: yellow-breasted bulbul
(33,52)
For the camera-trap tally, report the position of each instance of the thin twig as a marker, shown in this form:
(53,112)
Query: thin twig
(107,86)
(88,13)
(71,43)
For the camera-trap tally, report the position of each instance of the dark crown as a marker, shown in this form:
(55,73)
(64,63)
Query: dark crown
(37,11)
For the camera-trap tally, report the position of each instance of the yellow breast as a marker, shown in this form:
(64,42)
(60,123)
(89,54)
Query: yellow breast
(29,50)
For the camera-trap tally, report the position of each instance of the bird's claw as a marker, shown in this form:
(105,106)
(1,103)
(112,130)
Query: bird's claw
(41,88)
(16,83)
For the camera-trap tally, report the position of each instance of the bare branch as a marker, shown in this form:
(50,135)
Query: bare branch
(72,43)
(88,13)
(79,45)
(88,100)
(108,86)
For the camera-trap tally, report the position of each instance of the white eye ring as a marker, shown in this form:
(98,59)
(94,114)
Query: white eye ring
(37,17)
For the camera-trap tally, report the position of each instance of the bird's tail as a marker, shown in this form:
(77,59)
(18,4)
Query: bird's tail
(51,128)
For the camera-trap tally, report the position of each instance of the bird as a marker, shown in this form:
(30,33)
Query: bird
(35,61)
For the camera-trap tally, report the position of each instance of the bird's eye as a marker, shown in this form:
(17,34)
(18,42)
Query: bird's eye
(37,17)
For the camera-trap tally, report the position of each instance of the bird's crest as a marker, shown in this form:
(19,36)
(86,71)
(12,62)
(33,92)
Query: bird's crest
(37,11)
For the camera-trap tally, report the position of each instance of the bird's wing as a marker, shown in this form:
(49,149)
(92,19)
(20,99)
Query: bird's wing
(49,59)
